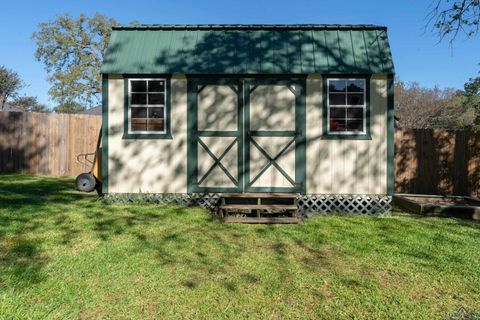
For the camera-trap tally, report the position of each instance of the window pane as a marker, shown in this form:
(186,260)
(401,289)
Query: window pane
(139,98)
(336,99)
(139,86)
(139,112)
(337,125)
(337,113)
(355,85)
(355,125)
(155,113)
(355,113)
(155,125)
(337,85)
(156,98)
(156,86)
(139,124)
(355,99)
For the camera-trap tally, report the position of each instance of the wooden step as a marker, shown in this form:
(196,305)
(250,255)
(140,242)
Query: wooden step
(258,207)
(267,220)
(260,195)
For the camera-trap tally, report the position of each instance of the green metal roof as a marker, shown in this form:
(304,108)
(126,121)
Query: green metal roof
(248,49)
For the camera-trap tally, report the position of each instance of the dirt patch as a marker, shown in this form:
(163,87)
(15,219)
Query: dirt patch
(90,314)
(325,257)
(385,278)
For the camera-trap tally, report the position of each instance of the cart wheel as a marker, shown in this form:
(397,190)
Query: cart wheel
(85,182)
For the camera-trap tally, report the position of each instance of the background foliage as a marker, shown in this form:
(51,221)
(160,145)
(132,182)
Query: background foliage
(420,107)
(72,50)
(10,85)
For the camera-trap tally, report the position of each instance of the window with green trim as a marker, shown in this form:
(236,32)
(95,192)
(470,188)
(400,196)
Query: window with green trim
(147,109)
(346,106)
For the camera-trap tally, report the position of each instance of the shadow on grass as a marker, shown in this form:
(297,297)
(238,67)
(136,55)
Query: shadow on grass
(33,208)
(22,259)
(43,212)
(30,206)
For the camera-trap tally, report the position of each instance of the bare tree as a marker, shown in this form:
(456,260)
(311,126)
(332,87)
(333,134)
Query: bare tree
(420,107)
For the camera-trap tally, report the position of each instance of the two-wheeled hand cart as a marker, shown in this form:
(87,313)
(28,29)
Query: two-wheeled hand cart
(88,181)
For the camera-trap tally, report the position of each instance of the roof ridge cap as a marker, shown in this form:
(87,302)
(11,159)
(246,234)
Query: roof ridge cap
(247,26)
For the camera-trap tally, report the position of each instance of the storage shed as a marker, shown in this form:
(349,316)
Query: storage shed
(194,111)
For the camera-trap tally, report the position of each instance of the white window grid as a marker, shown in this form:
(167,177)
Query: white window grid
(130,105)
(363,106)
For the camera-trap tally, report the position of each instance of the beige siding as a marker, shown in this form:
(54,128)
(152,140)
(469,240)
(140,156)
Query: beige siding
(156,165)
(333,166)
(347,166)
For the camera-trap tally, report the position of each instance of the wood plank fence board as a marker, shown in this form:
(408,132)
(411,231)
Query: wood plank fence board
(437,162)
(45,143)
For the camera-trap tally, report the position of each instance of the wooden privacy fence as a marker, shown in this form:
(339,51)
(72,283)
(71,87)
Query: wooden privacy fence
(426,161)
(46,143)
(437,162)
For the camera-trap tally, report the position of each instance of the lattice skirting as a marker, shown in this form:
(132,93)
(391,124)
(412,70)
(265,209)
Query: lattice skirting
(344,204)
(307,204)
(204,200)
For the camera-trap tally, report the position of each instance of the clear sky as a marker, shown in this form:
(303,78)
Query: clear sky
(417,54)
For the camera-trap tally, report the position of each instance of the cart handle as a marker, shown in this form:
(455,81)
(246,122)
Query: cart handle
(82,158)
(85,161)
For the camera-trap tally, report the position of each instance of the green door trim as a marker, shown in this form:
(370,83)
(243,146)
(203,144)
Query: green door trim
(299,135)
(217,161)
(194,136)
(243,112)
(273,161)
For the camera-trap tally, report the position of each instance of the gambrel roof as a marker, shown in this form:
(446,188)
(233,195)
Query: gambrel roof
(248,49)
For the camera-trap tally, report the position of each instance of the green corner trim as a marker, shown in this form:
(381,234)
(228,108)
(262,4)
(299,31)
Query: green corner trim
(104,133)
(332,136)
(390,135)
(140,136)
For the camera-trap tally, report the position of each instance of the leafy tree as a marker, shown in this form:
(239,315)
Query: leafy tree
(69,107)
(72,50)
(10,85)
(451,17)
(472,87)
(470,99)
(29,104)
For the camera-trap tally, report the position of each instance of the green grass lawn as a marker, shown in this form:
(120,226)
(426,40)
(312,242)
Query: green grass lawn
(64,255)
